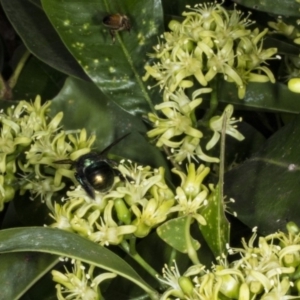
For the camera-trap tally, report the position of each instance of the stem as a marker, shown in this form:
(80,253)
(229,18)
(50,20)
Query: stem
(14,77)
(190,248)
(131,251)
(213,102)
(172,256)
(152,293)
(222,158)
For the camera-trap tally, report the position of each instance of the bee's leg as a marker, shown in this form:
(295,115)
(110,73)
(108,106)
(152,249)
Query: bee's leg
(80,177)
(113,35)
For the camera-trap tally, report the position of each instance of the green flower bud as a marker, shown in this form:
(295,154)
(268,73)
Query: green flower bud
(186,285)
(9,193)
(291,259)
(230,285)
(142,229)
(296,274)
(256,287)
(123,213)
(244,293)
(292,228)
(294,85)
(174,25)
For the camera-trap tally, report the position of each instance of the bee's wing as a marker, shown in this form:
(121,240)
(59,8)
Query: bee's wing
(106,150)
(64,162)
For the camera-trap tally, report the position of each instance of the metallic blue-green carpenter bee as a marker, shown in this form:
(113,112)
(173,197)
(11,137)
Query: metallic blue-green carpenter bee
(94,171)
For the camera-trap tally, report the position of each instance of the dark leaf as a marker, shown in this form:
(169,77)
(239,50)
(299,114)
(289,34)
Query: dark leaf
(66,244)
(278,7)
(261,96)
(19,271)
(84,106)
(38,78)
(40,38)
(266,187)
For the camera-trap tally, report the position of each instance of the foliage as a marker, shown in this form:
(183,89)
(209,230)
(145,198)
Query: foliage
(137,154)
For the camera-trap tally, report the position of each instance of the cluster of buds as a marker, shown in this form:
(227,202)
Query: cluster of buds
(269,270)
(31,142)
(131,208)
(178,130)
(135,205)
(211,40)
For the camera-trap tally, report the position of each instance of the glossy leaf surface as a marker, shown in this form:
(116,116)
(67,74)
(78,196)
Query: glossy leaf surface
(279,7)
(38,78)
(64,243)
(19,271)
(40,38)
(266,187)
(116,68)
(84,106)
(263,96)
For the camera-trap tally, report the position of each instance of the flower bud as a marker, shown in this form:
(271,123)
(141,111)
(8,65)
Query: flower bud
(174,25)
(292,259)
(292,228)
(294,85)
(230,287)
(123,213)
(186,285)
(244,293)
(142,229)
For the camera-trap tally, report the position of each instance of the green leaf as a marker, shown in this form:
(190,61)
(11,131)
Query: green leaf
(284,47)
(278,7)
(84,106)
(266,96)
(238,151)
(180,7)
(173,232)
(40,38)
(266,187)
(115,68)
(37,78)
(216,232)
(62,243)
(20,271)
